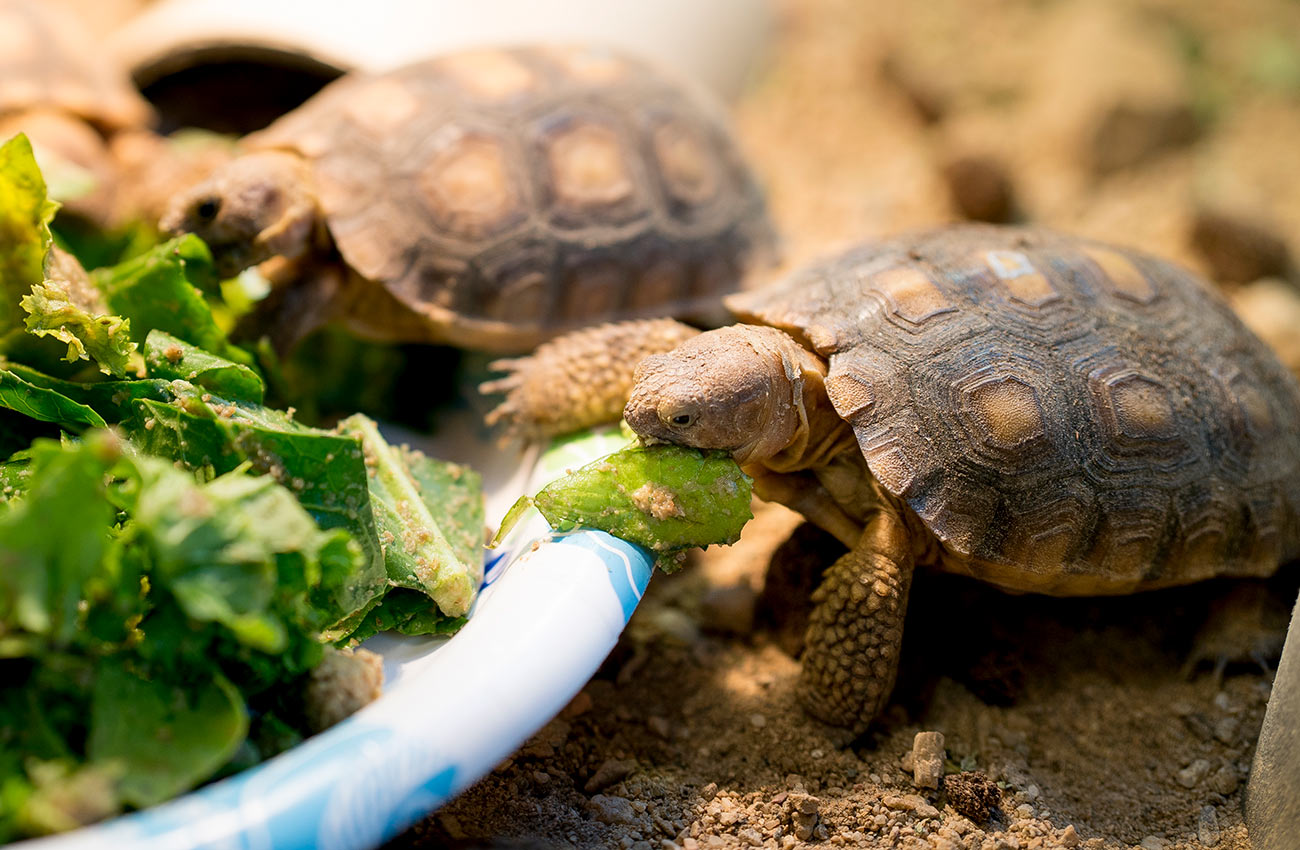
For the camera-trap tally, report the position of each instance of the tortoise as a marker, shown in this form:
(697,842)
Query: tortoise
(488,199)
(1042,412)
(62,91)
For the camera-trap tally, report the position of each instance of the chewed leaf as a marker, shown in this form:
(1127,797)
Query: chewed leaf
(104,339)
(665,498)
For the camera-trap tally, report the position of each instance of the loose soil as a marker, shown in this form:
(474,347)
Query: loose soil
(1127,121)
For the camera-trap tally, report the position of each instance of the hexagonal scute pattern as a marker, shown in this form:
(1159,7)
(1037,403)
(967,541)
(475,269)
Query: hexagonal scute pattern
(576,153)
(1065,416)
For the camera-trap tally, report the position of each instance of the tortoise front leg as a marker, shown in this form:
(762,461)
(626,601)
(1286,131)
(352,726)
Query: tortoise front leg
(579,379)
(856,628)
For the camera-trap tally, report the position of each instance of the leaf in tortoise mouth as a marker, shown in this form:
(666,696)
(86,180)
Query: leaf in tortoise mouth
(666,498)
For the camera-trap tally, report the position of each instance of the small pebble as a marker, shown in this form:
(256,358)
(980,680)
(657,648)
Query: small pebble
(1207,826)
(611,771)
(758,721)
(1238,248)
(1069,836)
(578,706)
(1025,810)
(729,609)
(804,804)
(1226,729)
(659,726)
(1224,780)
(1153,842)
(905,802)
(981,189)
(1130,133)
(1191,775)
(927,759)
(613,810)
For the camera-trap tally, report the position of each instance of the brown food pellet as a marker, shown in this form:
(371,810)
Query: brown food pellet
(972,794)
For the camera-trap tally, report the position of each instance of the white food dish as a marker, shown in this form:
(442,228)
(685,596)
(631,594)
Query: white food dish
(551,609)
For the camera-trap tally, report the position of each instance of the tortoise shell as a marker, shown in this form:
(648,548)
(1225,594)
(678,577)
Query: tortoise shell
(1065,416)
(509,195)
(48,61)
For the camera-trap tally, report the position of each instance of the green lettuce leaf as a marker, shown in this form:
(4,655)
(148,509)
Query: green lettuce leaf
(112,400)
(55,543)
(164,737)
(453,494)
(25,215)
(666,498)
(44,283)
(45,404)
(416,552)
(168,357)
(407,612)
(159,290)
(324,470)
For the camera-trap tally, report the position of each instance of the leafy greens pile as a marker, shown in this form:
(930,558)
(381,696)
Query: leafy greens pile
(175,556)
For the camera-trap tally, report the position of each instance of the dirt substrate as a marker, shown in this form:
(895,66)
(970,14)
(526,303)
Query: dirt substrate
(1129,121)
(690,736)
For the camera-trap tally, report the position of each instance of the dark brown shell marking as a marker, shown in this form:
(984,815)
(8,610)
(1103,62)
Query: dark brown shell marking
(1064,415)
(515,194)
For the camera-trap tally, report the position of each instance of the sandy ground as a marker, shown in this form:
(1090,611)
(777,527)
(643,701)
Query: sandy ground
(1129,121)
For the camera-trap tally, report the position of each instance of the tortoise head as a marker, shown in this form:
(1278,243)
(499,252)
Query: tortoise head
(738,388)
(255,207)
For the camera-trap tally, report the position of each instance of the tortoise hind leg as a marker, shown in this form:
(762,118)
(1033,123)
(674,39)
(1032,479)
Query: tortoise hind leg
(856,628)
(580,379)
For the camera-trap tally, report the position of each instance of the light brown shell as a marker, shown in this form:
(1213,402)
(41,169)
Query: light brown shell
(510,195)
(1065,416)
(48,61)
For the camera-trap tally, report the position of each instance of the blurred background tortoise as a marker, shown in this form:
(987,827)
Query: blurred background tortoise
(488,199)
(91,130)
(1045,413)
(70,100)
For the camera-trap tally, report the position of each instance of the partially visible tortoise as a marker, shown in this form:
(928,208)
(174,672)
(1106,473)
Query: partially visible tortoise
(488,199)
(59,87)
(1041,412)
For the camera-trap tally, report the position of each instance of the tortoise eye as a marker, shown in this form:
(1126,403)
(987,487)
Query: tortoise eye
(208,208)
(678,418)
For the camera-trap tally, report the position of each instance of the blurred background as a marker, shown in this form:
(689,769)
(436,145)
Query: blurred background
(1171,126)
